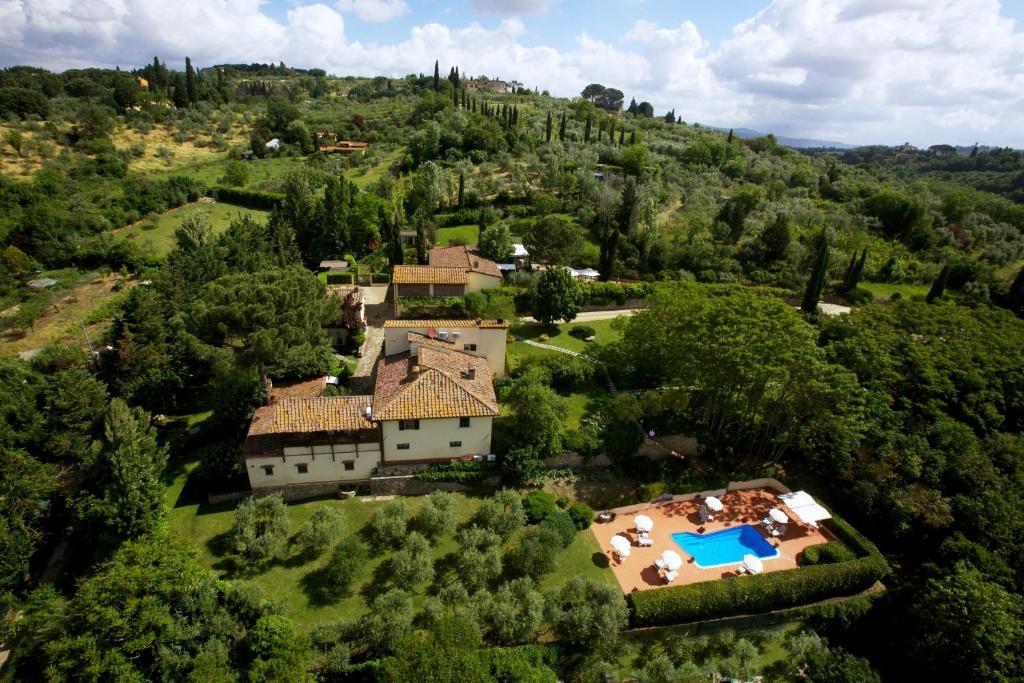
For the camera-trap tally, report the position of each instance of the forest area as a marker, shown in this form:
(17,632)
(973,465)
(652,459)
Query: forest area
(159,186)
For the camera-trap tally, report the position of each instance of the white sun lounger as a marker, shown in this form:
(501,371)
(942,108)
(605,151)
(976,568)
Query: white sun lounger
(659,563)
(671,576)
(645,541)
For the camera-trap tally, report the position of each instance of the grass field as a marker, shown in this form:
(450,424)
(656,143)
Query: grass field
(468,233)
(297,586)
(883,291)
(363,178)
(158,235)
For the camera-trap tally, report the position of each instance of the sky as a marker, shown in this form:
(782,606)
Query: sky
(855,71)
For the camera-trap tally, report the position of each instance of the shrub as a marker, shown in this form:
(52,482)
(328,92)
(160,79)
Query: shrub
(437,514)
(380,278)
(340,278)
(826,553)
(388,523)
(543,339)
(569,373)
(502,513)
(261,528)
(536,553)
(319,531)
(463,472)
(562,524)
(582,515)
(583,331)
(253,199)
(538,505)
(346,564)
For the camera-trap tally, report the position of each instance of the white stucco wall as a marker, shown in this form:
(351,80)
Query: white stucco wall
(431,440)
(324,464)
(478,281)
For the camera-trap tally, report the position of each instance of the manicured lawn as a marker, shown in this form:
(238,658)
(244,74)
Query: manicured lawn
(297,586)
(883,291)
(559,335)
(158,235)
(467,233)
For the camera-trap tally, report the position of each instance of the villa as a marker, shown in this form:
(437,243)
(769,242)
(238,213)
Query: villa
(452,271)
(433,402)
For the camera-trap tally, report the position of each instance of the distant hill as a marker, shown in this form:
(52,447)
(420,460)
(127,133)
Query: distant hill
(798,143)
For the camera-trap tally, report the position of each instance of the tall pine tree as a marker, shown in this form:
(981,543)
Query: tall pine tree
(561,128)
(437,76)
(547,129)
(817,280)
(190,83)
(586,129)
(939,286)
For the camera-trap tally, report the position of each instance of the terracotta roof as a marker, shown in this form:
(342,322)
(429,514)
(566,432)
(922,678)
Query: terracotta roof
(309,415)
(434,342)
(428,275)
(463,257)
(298,388)
(418,324)
(447,384)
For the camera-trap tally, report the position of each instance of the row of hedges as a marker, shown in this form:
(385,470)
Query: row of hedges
(764,592)
(467,472)
(340,278)
(602,293)
(380,278)
(826,553)
(430,307)
(253,199)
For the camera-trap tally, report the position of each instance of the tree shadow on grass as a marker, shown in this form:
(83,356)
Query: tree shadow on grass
(378,583)
(600,560)
(320,590)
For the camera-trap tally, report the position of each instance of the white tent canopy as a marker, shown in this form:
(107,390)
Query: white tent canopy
(778,515)
(801,504)
(672,560)
(753,564)
(714,504)
(810,514)
(620,544)
(643,523)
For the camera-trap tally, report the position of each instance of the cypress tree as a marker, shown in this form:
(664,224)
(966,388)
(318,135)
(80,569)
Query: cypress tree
(458,79)
(939,286)
(462,190)
(729,139)
(547,129)
(515,114)
(190,82)
(622,136)
(586,130)
(464,99)
(455,98)
(1015,297)
(437,76)
(632,138)
(600,130)
(154,82)
(817,280)
(848,273)
(611,133)
(857,268)
(561,128)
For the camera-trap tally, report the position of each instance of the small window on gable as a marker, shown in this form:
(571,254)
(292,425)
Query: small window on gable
(349,465)
(402,446)
(463,422)
(469,347)
(268,470)
(455,444)
(302,468)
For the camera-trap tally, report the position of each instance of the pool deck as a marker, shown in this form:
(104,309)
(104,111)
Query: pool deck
(637,572)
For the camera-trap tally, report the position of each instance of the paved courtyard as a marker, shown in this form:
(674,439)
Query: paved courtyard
(637,572)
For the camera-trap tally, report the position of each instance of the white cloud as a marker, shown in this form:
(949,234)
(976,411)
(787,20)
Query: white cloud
(852,70)
(511,7)
(374,10)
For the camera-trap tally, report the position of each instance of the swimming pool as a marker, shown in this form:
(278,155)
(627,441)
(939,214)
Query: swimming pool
(725,547)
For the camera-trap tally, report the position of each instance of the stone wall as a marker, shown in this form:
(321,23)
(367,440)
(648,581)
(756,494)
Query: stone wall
(407,486)
(614,306)
(575,461)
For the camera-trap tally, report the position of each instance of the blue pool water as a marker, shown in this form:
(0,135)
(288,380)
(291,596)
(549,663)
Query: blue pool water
(725,547)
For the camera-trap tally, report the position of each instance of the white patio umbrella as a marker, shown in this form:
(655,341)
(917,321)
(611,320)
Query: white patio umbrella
(671,560)
(796,499)
(714,504)
(778,515)
(810,514)
(753,564)
(620,544)
(643,523)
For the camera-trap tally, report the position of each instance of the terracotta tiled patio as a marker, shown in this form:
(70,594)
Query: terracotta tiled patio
(637,572)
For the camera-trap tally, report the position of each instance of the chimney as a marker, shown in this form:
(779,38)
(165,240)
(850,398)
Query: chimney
(416,369)
(469,374)
(368,412)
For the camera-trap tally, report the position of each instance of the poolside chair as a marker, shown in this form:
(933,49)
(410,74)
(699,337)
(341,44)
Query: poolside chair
(671,576)
(659,564)
(645,541)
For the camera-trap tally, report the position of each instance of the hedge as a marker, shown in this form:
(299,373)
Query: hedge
(832,552)
(340,278)
(253,199)
(462,472)
(380,278)
(764,592)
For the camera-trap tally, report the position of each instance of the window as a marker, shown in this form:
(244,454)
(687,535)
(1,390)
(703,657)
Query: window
(469,347)
(349,465)
(463,422)
(402,446)
(455,444)
(268,470)
(408,424)
(302,468)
